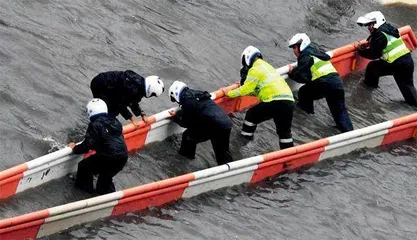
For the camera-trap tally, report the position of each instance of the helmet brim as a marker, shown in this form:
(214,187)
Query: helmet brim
(364,22)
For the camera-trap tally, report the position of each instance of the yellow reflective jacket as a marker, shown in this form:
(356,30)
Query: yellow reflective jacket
(264,82)
(395,48)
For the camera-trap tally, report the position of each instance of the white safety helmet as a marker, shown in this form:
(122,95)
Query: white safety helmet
(376,17)
(249,54)
(153,86)
(96,106)
(175,91)
(300,38)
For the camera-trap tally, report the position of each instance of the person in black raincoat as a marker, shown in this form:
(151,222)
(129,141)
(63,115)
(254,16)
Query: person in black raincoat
(204,120)
(123,89)
(104,136)
(394,58)
(321,80)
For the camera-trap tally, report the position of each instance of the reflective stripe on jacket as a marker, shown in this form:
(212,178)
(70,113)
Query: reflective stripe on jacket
(395,49)
(321,68)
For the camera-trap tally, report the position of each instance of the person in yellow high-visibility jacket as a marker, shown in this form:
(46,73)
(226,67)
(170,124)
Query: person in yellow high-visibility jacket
(392,56)
(320,79)
(260,79)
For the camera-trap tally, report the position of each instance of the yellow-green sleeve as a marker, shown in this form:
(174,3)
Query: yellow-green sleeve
(248,88)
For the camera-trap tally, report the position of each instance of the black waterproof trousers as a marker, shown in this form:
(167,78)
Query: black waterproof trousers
(105,167)
(279,110)
(402,69)
(335,100)
(219,140)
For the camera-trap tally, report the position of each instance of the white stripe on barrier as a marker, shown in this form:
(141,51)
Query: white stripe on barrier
(337,149)
(231,174)
(50,164)
(85,203)
(284,70)
(360,132)
(230,178)
(163,129)
(64,221)
(82,211)
(232,166)
(358,139)
(210,171)
(105,198)
(163,115)
(48,172)
(49,157)
(246,162)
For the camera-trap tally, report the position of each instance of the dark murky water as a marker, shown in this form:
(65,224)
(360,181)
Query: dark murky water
(49,52)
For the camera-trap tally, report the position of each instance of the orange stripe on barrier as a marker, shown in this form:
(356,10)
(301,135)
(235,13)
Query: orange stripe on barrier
(131,128)
(246,102)
(293,162)
(407,30)
(154,198)
(414,133)
(353,65)
(340,58)
(24,218)
(128,128)
(343,50)
(295,150)
(280,164)
(279,154)
(413,38)
(312,145)
(340,55)
(269,171)
(158,185)
(361,62)
(219,93)
(407,41)
(404,30)
(13,171)
(8,186)
(135,140)
(402,132)
(404,120)
(22,232)
(228,104)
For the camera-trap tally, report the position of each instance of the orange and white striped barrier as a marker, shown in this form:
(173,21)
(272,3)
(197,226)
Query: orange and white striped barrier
(249,170)
(399,2)
(62,162)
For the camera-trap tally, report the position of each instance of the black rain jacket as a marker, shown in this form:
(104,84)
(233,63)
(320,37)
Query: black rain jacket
(120,89)
(104,135)
(198,111)
(302,73)
(378,41)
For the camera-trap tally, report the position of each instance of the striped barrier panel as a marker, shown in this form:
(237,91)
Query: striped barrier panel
(62,162)
(399,2)
(249,170)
